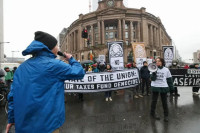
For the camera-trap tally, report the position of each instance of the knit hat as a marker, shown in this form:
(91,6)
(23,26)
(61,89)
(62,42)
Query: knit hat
(46,39)
(6,68)
(94,65)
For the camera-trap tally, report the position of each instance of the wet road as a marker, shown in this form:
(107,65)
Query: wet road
(128,115)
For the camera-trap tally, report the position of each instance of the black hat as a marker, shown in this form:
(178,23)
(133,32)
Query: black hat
(46,39)
(144,62)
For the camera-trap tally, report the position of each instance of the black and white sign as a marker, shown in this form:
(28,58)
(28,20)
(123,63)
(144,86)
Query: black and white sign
(102,59)
(168,55)
(186,77)
(116,55)
(105,81)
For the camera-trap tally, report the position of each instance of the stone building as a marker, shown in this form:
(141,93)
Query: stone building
(112,21)
(196,57)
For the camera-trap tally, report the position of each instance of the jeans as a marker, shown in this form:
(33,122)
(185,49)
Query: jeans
(145,82)
(8,83)
(164,102)
(108,94)
(136,90)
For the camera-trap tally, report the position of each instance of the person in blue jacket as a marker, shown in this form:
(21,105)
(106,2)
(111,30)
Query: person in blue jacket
(36,99)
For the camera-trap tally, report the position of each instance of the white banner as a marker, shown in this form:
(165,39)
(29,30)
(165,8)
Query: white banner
(168,55)
(116,55)
(139,53)
(105,81)
(139,62)
(149,61)
(102,58)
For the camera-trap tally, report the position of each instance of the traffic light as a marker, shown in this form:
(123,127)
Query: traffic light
(88,41)
(84,33)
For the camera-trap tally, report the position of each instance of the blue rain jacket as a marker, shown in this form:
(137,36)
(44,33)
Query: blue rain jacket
(36,99)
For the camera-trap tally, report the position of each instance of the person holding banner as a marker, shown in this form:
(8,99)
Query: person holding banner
(108,93)
(145,75)
(95,69)
(161,84)
(136,89)
(195,90)
(174,66)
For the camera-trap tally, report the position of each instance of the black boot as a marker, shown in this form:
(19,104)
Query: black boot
(176,94)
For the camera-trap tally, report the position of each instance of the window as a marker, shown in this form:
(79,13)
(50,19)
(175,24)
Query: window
(96,29)
(126,34)
(126,26)
(115,34)
(111,27)
(134,35)
(111,35)
(96,37)
(151,54)
(127,43)
(89,30)
(134,26)
(107,35)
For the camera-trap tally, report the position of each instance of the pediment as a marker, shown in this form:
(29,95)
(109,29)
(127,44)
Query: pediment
(111,11)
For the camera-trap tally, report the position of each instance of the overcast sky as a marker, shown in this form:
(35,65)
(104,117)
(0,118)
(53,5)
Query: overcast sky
(23,17)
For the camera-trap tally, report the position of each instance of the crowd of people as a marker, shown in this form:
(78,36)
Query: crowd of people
(38,86)
(143,89)
(6,76)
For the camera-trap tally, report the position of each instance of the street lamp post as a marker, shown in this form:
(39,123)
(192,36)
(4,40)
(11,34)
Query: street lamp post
(2,53)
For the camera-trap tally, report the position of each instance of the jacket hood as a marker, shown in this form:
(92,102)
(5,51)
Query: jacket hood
(37,47)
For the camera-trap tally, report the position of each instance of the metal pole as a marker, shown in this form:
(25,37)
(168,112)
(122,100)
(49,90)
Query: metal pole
(1,53)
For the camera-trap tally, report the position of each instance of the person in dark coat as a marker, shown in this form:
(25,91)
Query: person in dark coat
(136,89)
(145,75)
(195,90)
(174,66)
(108,94)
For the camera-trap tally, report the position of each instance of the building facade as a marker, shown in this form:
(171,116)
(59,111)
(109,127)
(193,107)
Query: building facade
(112,21)
(196,57)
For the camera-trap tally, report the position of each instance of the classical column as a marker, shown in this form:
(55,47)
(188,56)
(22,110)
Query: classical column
(103,31)
(92,35)
(157,36)
(79,37)
(119,30)
(131,31)
(70,42)
(144,27)
(154,36)
(151,35)
(138,31)
(99,32)
(75,48)
(123,25)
